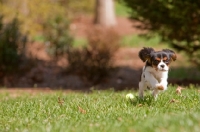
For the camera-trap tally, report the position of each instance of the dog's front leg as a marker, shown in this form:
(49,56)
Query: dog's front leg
(142,87)
(154,83)
(163,83)
(151,79)
(160,86)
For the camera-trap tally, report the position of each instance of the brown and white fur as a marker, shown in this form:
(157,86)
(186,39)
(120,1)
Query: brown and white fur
(155,72)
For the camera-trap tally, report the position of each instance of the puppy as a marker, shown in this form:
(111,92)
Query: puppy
(155,72)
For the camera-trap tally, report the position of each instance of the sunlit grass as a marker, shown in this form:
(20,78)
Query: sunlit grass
(101,111)
(121,9)
(138,41)
(79,42)
(134,41)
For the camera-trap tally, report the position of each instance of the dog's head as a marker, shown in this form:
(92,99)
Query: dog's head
(160,60)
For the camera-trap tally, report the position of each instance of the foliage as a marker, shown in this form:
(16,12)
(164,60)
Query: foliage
(95,60)
(176,21)
(56,32)
(79,7)
(10,41)
(33,13)
(100,111)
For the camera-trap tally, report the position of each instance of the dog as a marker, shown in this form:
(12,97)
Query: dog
(155,72)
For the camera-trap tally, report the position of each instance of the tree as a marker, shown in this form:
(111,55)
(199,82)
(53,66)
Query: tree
(105,13)
(176,21)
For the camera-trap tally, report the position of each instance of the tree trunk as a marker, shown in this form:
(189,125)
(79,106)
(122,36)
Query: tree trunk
(24,7)
(105,13)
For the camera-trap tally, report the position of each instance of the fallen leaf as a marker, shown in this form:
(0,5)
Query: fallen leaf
(174,101)
(60,101)
(81,110)
(120,119)
(178,89)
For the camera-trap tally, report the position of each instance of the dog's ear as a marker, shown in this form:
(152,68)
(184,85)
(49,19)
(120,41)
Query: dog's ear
(145,54)
(171,53)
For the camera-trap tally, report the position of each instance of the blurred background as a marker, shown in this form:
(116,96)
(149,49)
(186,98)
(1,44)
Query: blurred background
(87,44)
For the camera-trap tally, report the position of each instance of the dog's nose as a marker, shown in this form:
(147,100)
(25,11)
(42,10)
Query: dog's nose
(162,66)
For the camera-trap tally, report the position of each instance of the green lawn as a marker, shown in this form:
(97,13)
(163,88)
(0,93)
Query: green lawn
(188,73)
(135,41)
(100,111)
(138,41)
(121,9)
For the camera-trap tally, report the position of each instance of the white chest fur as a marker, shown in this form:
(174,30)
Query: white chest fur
(155,80)
(158,75)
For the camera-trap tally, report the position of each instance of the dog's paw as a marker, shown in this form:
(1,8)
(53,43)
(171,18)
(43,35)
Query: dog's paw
(160,87)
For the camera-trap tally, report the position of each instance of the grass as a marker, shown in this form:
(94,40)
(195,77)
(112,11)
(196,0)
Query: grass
(181,73)
(79,42)
(122,10)
(137,41)
(101,111)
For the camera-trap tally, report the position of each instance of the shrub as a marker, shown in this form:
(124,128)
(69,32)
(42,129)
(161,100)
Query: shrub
(10,41)
(79,7)
(56,32)
(95,60)
(33,13)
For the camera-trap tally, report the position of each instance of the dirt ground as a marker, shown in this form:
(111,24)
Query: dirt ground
(48,74)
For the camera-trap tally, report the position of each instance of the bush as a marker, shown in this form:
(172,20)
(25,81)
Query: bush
(10,41)
(95,60)
(79,7)
(33,13)
(56,32)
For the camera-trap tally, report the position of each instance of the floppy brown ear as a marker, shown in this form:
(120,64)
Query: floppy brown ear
(171,53)
(145,54)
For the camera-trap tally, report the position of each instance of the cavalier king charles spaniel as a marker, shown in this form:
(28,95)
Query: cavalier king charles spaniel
(155,72)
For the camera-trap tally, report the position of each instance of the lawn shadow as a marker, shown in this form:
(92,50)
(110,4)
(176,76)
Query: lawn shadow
(184,76)
(45,74)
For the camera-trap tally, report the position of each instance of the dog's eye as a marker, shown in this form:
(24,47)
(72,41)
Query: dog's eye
(166,61)
(156,61)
